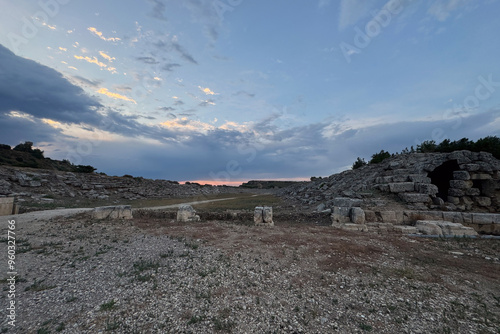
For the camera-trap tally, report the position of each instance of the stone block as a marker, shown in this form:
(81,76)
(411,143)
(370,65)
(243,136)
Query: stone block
(461,175)
(455,217)
(346,202)
(383,179)
(483,201)
(419,178)
(388,217)
(186,213)
(429,215)
(454,200)
(483,218)
(481,176)
(426,188)
(263,215)
(341,215)
(6,206)
(401,187)
(370,216)
(461,184)
(112,212)
(455,229)
(473,192)
(382,187)
(428,227)
(357,215)
(404,229)
(455,192)
(414,197)
(467,217)
(400,178)
(470,167)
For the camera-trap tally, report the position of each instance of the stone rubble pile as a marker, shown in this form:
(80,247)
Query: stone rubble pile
(46,185)
(458,181)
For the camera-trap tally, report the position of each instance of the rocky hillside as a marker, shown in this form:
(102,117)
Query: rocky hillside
(457,181)
(60,188)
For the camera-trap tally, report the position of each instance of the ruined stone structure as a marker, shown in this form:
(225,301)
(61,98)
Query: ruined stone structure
(461,187)
(263,216)
(458,181)
(7,206)
(112,212)
(462,180)
(186,213)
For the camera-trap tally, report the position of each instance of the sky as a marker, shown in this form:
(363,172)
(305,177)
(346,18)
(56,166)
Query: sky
(226,91)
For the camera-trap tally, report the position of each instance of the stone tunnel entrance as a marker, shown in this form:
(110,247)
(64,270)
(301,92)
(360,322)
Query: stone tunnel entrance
(441,177)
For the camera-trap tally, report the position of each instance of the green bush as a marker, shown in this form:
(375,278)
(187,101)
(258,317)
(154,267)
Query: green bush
(379,157)
(359,163)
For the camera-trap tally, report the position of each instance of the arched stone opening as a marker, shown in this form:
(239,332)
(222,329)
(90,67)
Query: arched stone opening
(442,175)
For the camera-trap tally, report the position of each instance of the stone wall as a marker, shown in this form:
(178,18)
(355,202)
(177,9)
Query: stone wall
(458,181)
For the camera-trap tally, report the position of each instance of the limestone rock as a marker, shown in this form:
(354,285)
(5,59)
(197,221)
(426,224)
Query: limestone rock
(112,212)
(357,215)
(340,215)
(186,213)
(263,215)
(401,187)
(428,227)
(455,229)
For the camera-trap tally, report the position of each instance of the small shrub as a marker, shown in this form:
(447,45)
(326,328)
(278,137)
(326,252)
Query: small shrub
(108,306)
(359,163)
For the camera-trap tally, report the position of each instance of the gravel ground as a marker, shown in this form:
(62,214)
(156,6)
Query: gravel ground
(153,275)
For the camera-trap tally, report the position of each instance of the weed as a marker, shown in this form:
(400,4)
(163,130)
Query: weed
(365,327)
(71,299)
(38,286)
(112,325)
(194,319)
(42,330)
(141,266)
(60,327)
(108,306)
(144,278)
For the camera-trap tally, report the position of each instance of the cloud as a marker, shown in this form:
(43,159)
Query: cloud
(63,49)
(147,60)
(207,91)
(82,81)
(106,56)
(183,53)
(170,67)
(92,60)
(441,9)
(117,96)
(99,34)
(27,86)
(166,109)
(178,103)
(158,11)
(244,93)
(207,103)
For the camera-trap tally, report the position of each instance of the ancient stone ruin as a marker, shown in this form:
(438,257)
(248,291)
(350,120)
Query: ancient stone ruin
(7,206)
(263,216)
(461,187)
(186,213)
(112,212)
(462,180)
